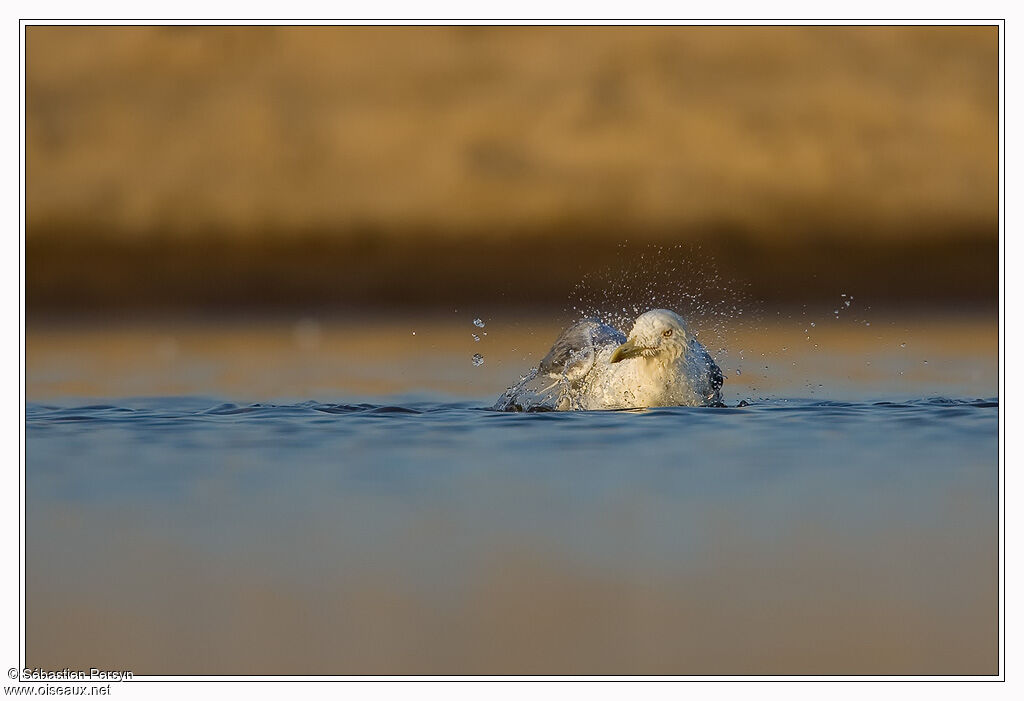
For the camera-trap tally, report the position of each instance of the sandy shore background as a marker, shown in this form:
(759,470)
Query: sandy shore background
(344,168)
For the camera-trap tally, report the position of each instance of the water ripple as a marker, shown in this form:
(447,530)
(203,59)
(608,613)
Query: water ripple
(172,410)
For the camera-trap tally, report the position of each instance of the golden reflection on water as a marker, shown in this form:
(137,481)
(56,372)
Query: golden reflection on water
(342,359)
(821,601)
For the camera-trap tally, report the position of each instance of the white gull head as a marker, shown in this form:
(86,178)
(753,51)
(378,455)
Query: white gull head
(659,334)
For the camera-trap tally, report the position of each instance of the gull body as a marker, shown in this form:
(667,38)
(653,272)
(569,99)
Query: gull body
(594,366)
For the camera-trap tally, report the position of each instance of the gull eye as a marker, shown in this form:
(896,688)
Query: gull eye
(667,333)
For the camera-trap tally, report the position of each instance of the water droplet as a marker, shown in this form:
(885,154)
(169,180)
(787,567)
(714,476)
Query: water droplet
(842,294)
(812,323)
(413,333)
(738,371)
(847,303)
(478,360)
(903,345)
(926,362)
(867,323)
(475,337)
(479,323)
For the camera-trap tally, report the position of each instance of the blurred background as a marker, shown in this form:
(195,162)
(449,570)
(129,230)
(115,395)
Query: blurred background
(283,178)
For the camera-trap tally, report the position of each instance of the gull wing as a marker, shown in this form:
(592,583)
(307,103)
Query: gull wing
(573,353)
(547,387)
(707,370)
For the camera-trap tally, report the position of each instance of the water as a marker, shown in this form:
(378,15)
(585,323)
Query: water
(331,496)
(191,534)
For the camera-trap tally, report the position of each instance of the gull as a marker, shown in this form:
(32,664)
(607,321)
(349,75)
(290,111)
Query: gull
(595,366)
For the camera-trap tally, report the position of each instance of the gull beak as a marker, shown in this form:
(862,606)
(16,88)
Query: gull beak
(629,349)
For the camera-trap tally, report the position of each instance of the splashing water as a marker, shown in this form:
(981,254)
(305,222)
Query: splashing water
(679,277)
(724,315)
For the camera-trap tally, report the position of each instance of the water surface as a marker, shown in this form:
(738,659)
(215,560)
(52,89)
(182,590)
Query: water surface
(190,535)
